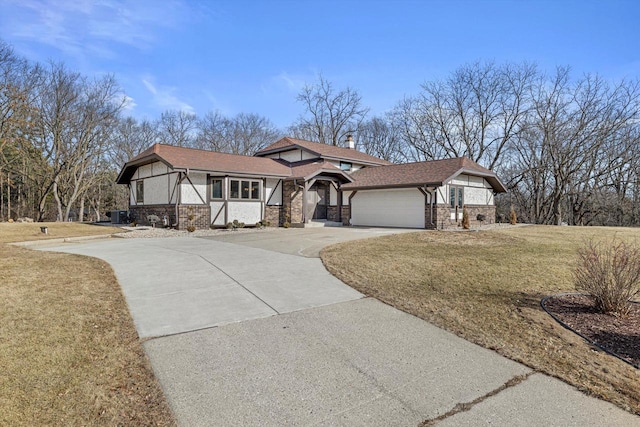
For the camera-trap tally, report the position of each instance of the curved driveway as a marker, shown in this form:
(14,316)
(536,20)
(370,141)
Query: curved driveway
(250,329)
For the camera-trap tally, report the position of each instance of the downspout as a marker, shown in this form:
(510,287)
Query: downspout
(179,180)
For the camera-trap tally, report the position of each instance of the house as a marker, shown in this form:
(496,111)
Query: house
(296,182)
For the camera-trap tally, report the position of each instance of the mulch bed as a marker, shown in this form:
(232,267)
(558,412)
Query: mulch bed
(618,335)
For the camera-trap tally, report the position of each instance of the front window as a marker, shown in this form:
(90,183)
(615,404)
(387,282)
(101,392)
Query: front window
(235,190)
(216,189)
(456,197)
(245,190)
(139,192)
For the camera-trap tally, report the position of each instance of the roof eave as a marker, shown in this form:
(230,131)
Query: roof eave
(392,186)
(497,185)
(329,171)
(124,176)
(364,162)
(286,148)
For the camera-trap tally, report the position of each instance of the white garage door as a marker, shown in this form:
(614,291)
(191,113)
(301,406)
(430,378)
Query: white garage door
(388,208)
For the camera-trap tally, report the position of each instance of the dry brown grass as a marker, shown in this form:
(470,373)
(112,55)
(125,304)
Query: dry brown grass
(69,350)
(20,232)
(486,287)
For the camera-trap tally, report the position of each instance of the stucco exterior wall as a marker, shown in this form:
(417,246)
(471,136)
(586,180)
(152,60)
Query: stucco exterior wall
(173,188)
(477,191)
(333,195)
(194,192)
(218,213)
(248,212)
(293,155)
(273,198)
(345,198)
(478,196)
(156,190)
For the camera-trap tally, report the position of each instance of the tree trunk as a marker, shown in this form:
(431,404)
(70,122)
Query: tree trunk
(60,217)
(1,198)
(81,213)
(8,197)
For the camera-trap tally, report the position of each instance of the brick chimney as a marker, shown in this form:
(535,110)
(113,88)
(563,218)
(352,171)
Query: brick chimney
(350,143)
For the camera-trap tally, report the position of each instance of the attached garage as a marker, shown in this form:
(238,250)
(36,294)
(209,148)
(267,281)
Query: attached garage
(388,208)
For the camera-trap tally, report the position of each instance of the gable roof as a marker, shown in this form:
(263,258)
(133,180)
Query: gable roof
(429,173)
(311,169)
(203,160)
(325,151)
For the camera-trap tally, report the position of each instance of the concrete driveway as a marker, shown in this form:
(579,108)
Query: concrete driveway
(249,334)
(306,242)
(175,285)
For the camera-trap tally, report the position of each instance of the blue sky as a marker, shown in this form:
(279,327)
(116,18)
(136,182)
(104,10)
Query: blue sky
(255,56)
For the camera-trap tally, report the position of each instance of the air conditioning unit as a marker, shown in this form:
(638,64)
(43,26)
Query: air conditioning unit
(119,217)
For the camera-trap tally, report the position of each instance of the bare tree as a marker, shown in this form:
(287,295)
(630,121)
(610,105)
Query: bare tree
(128,138)
(475,113)
(18,80)
(243,134)
(382,138)
(330,114)
(573,143)
(177,128)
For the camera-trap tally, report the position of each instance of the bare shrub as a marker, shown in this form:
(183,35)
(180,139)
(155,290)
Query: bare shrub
(610,273)
(465,219)
(513,218)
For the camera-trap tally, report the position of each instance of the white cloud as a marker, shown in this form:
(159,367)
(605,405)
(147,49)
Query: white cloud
(80,27)
(292,83)
(129,103)
(164,96)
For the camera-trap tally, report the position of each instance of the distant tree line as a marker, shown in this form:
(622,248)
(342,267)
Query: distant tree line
(567,148)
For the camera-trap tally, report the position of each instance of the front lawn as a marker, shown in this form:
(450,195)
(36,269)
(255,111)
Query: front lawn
(486,287)
(69,350)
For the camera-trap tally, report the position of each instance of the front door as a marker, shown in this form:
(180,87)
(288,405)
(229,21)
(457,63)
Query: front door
(317,198)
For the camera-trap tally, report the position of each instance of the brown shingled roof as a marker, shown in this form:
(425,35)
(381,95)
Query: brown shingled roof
(309,170)
(203,160)
(322,150)
(430,173)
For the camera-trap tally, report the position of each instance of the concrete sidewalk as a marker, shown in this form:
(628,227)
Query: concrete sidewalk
(330,357)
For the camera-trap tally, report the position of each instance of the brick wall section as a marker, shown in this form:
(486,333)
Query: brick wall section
(442,216)
(274,214)
(346,214)
(332,213)
(140,213)
(202,215)
(292,202)
(489,213)
(427,218)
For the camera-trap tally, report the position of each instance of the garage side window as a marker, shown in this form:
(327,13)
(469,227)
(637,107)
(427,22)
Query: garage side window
(216,188)
(456,197)
(139,192)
